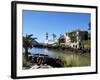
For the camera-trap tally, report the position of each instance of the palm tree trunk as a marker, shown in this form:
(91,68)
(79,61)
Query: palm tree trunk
(26,54)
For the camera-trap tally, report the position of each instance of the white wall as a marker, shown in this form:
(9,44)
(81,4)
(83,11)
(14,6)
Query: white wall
(5,43)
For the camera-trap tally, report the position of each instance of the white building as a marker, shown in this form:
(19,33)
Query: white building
(50,41)
(69,43)
(78,35)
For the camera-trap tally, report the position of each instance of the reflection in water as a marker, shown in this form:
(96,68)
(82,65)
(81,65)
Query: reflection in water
(51,53)
(71,58)
(46,51)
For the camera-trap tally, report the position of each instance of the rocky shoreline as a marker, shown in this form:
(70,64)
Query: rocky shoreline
(37,61)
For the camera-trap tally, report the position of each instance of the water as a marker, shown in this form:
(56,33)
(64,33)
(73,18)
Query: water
(45,51)
(71,58)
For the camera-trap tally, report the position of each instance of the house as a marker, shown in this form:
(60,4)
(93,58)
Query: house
(73,39)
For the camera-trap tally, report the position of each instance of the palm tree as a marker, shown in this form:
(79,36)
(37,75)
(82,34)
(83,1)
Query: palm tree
(28,43)
(54,36)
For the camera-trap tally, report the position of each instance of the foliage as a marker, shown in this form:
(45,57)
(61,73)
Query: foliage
(54,36)
(73,36)
(86,43)
(64,64)
(28,43)
(89,26)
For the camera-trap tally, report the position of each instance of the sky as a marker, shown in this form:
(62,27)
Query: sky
(40,22)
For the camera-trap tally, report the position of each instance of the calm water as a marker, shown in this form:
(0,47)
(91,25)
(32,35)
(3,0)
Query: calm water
(71,58)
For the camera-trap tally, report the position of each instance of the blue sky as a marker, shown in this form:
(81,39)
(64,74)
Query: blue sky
(40,22)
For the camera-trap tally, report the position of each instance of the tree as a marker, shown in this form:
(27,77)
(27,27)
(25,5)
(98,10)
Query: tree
(54,36)
(61,39)
(89,26)
(28,43)
(73,36)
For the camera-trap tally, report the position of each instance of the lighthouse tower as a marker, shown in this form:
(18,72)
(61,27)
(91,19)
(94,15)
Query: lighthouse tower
(46,40)
(46,36)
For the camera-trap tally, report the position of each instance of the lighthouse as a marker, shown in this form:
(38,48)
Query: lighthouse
(46,40)
(46,36)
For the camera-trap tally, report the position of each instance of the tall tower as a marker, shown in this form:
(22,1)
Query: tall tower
(46,36)
(46,40)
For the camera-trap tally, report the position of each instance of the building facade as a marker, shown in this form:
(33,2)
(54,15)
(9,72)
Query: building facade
(73,39)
